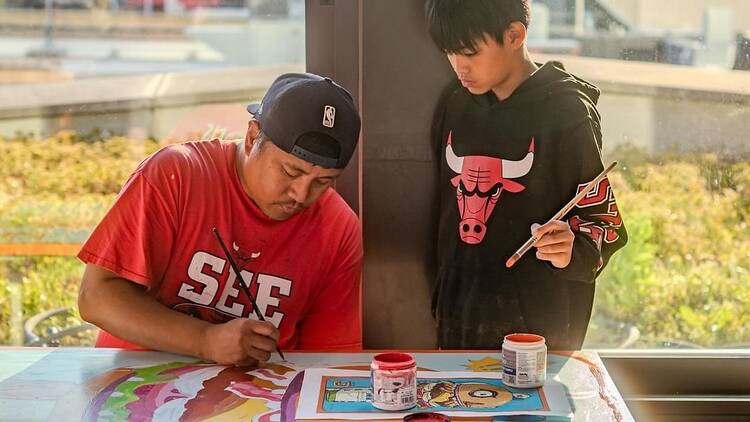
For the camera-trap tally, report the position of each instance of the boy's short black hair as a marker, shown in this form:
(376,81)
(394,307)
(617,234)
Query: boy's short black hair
(457,25)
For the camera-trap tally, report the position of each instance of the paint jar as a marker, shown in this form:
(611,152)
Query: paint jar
(394,381)
(426,417)
(524,360)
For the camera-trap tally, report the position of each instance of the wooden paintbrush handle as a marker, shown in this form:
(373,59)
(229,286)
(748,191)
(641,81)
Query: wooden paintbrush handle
(560,214)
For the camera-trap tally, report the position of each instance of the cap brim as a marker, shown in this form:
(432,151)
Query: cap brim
(253,108)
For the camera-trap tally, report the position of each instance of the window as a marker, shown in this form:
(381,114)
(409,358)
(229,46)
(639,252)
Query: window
(88,88)
(675,107)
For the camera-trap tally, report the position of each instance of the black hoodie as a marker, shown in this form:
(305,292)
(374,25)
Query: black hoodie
(504,166)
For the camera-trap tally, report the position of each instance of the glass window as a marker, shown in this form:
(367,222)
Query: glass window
(675,107)
(88,88)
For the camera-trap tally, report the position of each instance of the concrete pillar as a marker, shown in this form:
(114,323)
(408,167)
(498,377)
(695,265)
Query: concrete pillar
(381,51)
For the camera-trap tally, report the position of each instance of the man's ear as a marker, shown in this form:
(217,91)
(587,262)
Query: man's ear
(515,35)
(253,131)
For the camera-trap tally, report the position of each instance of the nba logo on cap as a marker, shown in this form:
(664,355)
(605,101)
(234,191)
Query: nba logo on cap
(329,116)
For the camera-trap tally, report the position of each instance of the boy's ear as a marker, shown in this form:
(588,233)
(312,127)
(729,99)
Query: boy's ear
(515,35)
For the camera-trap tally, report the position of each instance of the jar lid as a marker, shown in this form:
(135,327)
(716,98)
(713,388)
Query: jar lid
(393,361)
(524,338)
(427,417)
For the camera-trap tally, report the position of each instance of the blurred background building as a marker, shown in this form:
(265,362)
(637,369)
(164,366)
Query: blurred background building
(61,39)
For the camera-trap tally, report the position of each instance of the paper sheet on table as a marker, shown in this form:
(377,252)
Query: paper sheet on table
(347,394)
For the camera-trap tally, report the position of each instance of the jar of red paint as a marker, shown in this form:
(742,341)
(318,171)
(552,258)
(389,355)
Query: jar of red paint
(394,381)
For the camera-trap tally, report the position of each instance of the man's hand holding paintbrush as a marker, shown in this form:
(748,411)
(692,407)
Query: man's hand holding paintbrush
(241,341)
(554,240)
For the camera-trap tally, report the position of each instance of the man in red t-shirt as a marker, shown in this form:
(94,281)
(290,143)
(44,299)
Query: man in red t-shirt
(157,277)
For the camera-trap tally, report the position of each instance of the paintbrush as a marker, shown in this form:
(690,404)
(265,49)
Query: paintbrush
(242,282)
(564,210)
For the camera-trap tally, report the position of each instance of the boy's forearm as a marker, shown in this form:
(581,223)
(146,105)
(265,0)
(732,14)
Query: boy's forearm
(123,309)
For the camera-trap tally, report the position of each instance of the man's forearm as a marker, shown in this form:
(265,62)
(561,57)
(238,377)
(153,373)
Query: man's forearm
(125,310)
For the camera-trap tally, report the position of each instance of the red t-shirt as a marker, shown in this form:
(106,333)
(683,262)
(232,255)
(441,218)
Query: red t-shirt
(304,272)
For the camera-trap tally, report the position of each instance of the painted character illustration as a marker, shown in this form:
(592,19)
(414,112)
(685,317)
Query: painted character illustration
(467,395)
(348,395)
(388,390)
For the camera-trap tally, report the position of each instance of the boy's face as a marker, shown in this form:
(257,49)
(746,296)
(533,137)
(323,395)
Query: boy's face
(486,68)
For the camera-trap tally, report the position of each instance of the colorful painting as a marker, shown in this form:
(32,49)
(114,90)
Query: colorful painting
(191,392)
(69,384)
(350,394)
(347,394)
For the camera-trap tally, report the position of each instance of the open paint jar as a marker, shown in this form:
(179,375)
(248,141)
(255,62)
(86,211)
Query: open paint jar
(426,417)
(394,381)
(524,360)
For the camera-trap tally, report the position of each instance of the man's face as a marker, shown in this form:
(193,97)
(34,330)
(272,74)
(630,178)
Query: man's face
(280,183)
(484,69)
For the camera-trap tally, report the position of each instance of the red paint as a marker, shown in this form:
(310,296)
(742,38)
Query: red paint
(393,361)
(427,417)
(394,381)
(524,338)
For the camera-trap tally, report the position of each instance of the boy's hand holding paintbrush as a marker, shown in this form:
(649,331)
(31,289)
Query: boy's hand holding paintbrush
(554,240)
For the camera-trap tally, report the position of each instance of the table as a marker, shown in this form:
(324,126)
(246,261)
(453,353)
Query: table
(66,384)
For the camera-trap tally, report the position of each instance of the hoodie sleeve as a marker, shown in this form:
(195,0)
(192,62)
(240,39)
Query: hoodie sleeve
(437,128)
(595,220)
(436,144)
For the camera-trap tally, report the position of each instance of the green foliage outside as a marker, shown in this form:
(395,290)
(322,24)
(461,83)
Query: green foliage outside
(682,279)
(55,190)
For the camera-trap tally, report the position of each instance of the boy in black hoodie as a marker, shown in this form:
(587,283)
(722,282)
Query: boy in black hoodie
(517,141)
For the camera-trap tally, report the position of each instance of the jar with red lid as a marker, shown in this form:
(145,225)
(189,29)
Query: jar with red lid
(524,360)
(394,381)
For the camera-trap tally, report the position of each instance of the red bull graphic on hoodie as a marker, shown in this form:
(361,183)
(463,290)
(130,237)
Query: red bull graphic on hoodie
(479,184)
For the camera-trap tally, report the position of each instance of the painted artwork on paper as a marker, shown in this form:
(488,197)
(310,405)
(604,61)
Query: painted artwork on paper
(329,393)
(144,386)
(354,394)
(191,392)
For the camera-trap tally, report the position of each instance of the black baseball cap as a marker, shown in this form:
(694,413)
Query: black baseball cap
(311,117)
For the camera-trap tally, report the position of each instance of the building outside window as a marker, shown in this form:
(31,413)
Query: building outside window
(88,88)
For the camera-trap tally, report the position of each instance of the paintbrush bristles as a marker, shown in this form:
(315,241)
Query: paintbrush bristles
(522,250)
(512,260)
